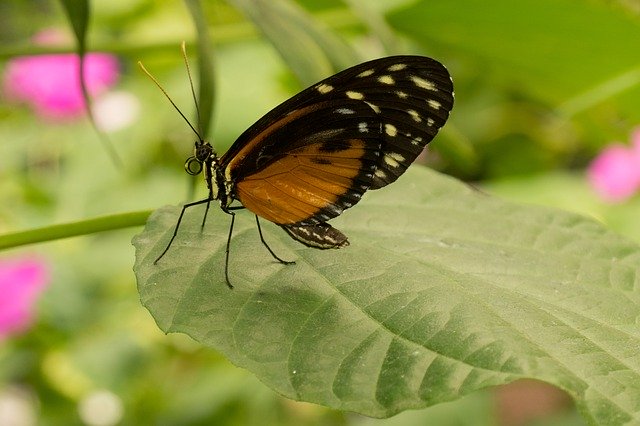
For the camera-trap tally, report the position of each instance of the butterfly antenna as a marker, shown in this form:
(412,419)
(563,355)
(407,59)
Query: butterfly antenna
(193,92)
(169,98)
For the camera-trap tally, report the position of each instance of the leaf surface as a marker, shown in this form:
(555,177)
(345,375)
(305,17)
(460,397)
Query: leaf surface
(443,291)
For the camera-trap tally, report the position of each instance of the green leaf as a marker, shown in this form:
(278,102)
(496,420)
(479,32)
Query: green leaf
(78,14)
(555,49)
(311,50)
(369,14)
(443,291)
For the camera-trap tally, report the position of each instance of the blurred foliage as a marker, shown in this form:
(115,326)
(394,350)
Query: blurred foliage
(541,87)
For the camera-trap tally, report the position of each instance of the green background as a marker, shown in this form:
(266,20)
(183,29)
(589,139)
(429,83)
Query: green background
(541,87)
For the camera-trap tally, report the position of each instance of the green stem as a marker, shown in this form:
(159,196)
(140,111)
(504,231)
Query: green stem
(73,229)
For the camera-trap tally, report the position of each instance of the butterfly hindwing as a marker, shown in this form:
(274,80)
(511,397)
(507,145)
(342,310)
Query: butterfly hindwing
(320,236)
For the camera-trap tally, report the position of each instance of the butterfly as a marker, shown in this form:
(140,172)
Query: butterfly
(317,153)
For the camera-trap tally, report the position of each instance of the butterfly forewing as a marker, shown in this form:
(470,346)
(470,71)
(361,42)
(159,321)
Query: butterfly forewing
(413,96)
(316,154)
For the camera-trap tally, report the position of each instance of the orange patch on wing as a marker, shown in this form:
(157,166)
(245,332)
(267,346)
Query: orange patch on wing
(297,186)
(240,155)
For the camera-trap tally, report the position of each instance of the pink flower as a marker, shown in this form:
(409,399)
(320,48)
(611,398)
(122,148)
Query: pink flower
(615,173)
(21,282)
(50,83)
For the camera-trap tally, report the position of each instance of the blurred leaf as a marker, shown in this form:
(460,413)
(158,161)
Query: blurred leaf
(476,409)
(374,19)
(553,188)
(205,67)
(459,152)
(78,14)
(312,51)
(555,49)
(443,291)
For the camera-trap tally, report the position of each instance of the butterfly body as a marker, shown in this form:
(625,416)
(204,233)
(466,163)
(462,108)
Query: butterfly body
(316,154)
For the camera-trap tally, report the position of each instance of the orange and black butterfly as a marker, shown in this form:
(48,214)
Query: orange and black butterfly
(316,154)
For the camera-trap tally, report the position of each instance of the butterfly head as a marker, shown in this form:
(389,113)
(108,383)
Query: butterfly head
(205,158)
(203,154)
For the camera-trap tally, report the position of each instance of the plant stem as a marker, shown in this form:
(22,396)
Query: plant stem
(73,229)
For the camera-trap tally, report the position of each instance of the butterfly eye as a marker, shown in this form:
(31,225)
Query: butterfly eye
(193,166)
(202,151)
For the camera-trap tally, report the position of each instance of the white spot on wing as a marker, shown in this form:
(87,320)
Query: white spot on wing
(390,130)
(397,67)
(354,95)
(391,161)
(321,135)
(336,210)
(402,95)
(366,73)
(328,238)
(422,83)
(396,156)
(345,111)
(324,88)
(380,173)
(414,114)
(430,122)
(434,104)
(416,141)
(362,127)
(375,108)
(386,79)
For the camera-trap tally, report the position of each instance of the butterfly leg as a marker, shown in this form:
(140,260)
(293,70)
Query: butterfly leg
(284,262)
(226,258)
(175,231)
(206,211)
